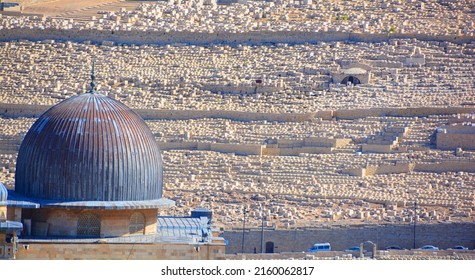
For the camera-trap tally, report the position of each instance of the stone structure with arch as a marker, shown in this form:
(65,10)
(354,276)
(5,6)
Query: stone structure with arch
(352,73)
(270,247)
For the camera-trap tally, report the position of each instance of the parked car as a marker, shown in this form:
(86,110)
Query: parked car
(458,247)
(320,247)
(353,249)
(429,247)
(393,247)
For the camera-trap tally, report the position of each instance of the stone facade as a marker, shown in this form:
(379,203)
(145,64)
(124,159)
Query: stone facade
(64,222)
(444,236)
(456,136)
(354,73)
(132,251)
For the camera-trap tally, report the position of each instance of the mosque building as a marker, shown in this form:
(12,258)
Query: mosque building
(89,171)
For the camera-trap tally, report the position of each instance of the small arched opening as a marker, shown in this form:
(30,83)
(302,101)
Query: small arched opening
(137,223)
(89,225)
(351,79)
(269,247)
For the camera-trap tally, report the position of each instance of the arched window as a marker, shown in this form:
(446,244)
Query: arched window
(89,225)
(351,79)
(137,223)
(269,247)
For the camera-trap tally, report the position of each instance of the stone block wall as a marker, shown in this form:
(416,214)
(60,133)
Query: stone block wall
(226,114)
(51,251)
(393,169)
(444,236)
(239,149)
(449,141)
(27,110)
(292,148)
(22,110)
(313,142)
(63,222)
(447,166)
(352,114)
(197,38)
(376,148)
(307,150)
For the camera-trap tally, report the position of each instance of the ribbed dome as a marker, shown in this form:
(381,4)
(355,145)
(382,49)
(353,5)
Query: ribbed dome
(89,148)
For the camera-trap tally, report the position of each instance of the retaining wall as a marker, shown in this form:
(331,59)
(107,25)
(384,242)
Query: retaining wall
(400,112)
(436,167)
(444,236)
(28,110)
(451,140)
(202,38)
(448,166)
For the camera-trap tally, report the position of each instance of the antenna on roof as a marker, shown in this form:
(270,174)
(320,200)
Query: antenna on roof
(93,77)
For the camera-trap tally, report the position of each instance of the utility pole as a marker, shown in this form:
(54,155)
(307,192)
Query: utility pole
(415,208)
(262,233)
(243,227)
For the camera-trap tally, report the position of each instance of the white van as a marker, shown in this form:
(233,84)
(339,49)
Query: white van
(320,247)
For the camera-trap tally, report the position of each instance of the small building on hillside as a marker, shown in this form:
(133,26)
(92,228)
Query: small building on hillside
(352,73)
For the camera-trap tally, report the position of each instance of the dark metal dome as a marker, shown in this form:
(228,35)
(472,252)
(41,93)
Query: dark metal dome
(89,148)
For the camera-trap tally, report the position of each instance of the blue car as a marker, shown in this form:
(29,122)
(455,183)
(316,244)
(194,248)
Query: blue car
(353,249)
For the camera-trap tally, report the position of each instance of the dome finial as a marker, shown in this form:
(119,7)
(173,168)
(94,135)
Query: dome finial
(93,77)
